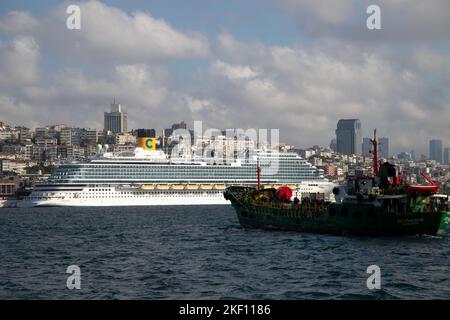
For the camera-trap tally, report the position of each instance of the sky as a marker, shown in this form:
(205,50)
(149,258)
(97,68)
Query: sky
(293,65)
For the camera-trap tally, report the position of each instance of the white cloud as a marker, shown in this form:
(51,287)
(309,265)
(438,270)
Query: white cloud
(402,20)
(333,12)
(197,105)
(110,34)
(233,72)
(12,108)
(107,34)
(17,22)
(19,61)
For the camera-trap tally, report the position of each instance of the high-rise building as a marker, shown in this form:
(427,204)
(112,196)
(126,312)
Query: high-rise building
(116,120)
(436,150)
(366,147)
(383,147)
(333,145)
(349,136)
(446,159)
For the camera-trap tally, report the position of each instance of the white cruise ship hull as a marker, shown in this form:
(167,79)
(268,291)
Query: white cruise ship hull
(112,199)
(105,197)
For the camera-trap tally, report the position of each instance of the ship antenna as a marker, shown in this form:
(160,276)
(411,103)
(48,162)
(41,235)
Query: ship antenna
(375,153)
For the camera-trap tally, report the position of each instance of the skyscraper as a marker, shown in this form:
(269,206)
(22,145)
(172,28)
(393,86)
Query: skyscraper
(366,146)
(446,159)
(436,150)
(383,147)
(349,136)
(116,120)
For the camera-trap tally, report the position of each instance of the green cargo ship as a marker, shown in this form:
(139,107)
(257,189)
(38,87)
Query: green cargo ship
(388,215)
(378,205)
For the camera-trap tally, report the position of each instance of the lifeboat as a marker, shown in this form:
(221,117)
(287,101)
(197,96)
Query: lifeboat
(192,186)
(147,187)
(219,186)
(177,186)
(162,186)
(206,186)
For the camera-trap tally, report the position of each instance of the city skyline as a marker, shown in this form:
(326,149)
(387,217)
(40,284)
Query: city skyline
(68,133)
(223,68)
(365,147)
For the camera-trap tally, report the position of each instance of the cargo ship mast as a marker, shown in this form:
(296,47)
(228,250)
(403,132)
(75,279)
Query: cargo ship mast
(375,153)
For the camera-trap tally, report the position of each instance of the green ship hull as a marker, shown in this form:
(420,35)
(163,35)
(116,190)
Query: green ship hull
(362,219)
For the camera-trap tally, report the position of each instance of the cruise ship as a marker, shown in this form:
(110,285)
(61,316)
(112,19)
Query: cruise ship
(145,177)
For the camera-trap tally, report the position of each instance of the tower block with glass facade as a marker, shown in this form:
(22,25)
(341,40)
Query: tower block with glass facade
(116,120)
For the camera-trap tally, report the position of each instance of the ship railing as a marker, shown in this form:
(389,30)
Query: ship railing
(293,210)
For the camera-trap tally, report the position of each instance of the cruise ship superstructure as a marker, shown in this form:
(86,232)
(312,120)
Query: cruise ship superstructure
(143,177)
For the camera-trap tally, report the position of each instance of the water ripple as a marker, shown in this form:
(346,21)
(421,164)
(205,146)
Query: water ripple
(203,253)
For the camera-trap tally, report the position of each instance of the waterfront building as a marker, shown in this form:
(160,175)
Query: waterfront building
(9,186)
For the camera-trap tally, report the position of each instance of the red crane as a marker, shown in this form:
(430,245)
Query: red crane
(432,182)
